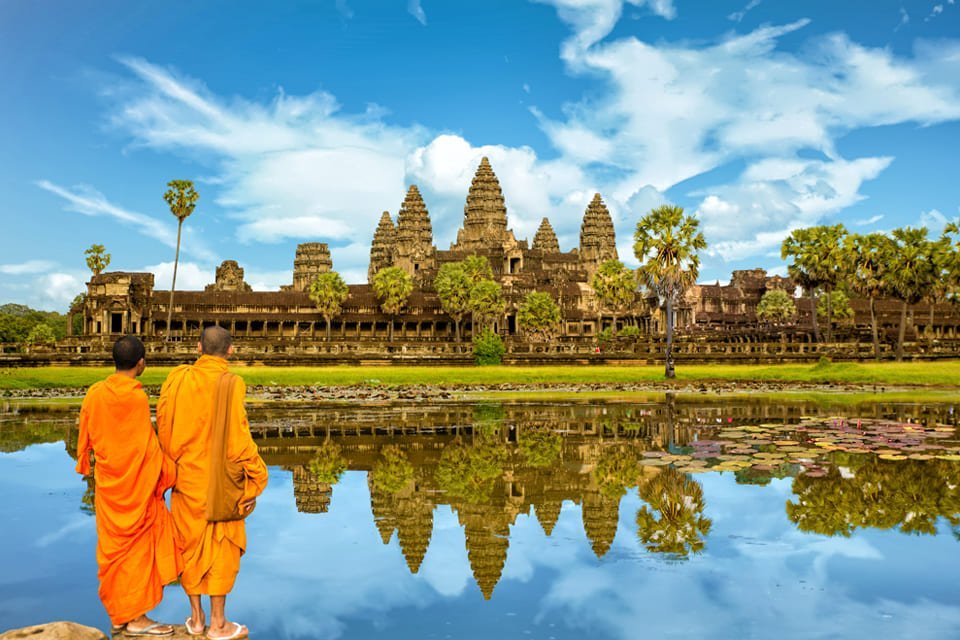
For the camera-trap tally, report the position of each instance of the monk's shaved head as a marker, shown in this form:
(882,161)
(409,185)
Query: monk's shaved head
(215,341)
(127,352)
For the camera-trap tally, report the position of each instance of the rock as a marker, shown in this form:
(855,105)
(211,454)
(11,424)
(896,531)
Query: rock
(55,631)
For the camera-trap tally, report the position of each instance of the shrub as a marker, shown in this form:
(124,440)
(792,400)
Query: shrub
(629,332)
(488,348)
(605,336)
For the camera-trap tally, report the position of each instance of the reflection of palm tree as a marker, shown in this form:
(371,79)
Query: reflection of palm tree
(328,463)
(392,472)
(541,449)
(470,472)
(681,526)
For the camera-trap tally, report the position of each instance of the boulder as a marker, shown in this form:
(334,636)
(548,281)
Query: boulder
(55,631)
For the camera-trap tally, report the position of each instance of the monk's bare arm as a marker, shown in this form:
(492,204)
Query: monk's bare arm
(83,441)
(243,449)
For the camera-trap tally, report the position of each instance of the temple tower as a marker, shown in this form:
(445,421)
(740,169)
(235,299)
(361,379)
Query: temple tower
(384,244)
(310,495)
(600,517)
(414,251)
(484,215)
(545,239)
(598,240)
(229,278)
(312,259)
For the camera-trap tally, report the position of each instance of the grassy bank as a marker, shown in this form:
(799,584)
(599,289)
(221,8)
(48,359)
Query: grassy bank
(939,374)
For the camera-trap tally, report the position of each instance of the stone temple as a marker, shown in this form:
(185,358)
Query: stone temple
(286,320)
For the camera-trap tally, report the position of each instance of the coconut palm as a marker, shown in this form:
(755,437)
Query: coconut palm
(912,272)
(870,257)
(392,286)
(181,198)
(328,292)
(666,243)
(615,286)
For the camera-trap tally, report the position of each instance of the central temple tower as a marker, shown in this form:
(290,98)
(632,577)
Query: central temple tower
(484,215)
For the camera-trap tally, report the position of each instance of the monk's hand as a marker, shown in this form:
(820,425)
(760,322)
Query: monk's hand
(247,505)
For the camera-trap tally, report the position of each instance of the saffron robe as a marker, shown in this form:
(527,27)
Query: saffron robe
(136,549)
(211,550)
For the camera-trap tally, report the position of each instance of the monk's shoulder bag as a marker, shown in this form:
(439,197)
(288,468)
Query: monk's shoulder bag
(227,478)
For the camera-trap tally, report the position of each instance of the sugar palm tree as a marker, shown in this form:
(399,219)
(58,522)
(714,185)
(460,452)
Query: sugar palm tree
(328,292)
(453,288)
(97,258)
(672,521)
(912,272)
(181,198)
(666,243)
(615,286)
(870,257)
(392,286)
(819,260)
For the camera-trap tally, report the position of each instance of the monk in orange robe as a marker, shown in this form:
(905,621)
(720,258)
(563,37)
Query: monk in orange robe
(136,550)
(211,550)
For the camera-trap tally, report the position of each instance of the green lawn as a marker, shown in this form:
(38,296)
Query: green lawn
(941,373)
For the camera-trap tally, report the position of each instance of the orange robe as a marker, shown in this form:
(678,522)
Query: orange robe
(136,550)
(211,550)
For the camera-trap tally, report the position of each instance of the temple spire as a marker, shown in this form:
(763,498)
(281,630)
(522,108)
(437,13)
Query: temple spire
(598,240)
(545,239)
(485,214)
(414,246)
(384,244)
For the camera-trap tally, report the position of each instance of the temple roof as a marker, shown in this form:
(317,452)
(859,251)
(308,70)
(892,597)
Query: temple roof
(413,221)
(598,239)
(545,239)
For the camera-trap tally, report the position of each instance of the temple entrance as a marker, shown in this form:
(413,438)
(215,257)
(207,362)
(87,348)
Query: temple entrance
(116,323)
(512,325)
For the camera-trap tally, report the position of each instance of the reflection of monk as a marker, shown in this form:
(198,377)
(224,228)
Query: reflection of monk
(211,550)
(136,551)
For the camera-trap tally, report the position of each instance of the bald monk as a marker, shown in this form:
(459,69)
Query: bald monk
(136,550)
(211,550)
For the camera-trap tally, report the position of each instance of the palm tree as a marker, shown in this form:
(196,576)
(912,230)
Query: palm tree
(453,288)
(666,243)
(486,301)
(328,292)
(912,272)
(819,261)
(181,198)
(870,257)
(539,315)
(672,521)
(392,286)
(97,258)
(616,287)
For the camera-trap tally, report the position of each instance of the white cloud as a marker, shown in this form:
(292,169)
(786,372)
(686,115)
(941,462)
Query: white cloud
(190,276)
(738,16)
(415,9)
(868,221)
(904,19)
(933,220)
(88,201)
(28,267)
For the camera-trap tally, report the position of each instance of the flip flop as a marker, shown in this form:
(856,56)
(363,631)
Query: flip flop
(191,632)
(117,629)
(240,632)
(149,631)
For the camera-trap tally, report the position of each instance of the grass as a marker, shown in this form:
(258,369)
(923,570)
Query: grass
(930,374)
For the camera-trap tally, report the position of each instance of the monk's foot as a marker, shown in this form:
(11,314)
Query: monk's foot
(195,626)
(145,627)
(228,631)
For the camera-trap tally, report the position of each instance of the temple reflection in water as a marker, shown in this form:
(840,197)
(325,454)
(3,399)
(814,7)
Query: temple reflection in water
(889,466)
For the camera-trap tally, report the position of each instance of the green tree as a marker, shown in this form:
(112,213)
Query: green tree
(870,257)
(393,471)
(486,301)
(912,272)
(836,303)
(776,307)
(97,258)
(453,286)
(615,286)
(819,260)
(182,199)
(666,243)
(943,256)
(41,334)
(328,464)
(539,315)
(478,270)
(392,286)
(672,521)
(488,348)
(328,292)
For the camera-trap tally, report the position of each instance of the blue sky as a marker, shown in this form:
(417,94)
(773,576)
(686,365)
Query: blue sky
(303,121)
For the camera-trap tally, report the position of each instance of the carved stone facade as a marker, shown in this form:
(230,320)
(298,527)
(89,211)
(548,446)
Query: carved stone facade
(229,278)
(312,259)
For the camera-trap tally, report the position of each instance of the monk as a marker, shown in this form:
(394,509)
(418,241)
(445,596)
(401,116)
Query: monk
(211,550)
(136,551)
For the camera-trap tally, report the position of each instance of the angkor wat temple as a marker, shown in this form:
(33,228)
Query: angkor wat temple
(287,321)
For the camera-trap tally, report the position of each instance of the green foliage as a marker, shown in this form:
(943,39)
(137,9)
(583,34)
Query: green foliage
(840,303)
(869,257)
(453,286)
(181,198)
(539,316)
(328,464)
(617,469)
(541,449)
(615,286)
(911,272)
(486,301)
(470,472)
(776,307)
(477,268)
(672,521)
(393,470)
(392,287)
(41,334)
(328,292)
(604,336)
(820,259)
(631,331)
(17,321)
(488,348)
(97,258)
